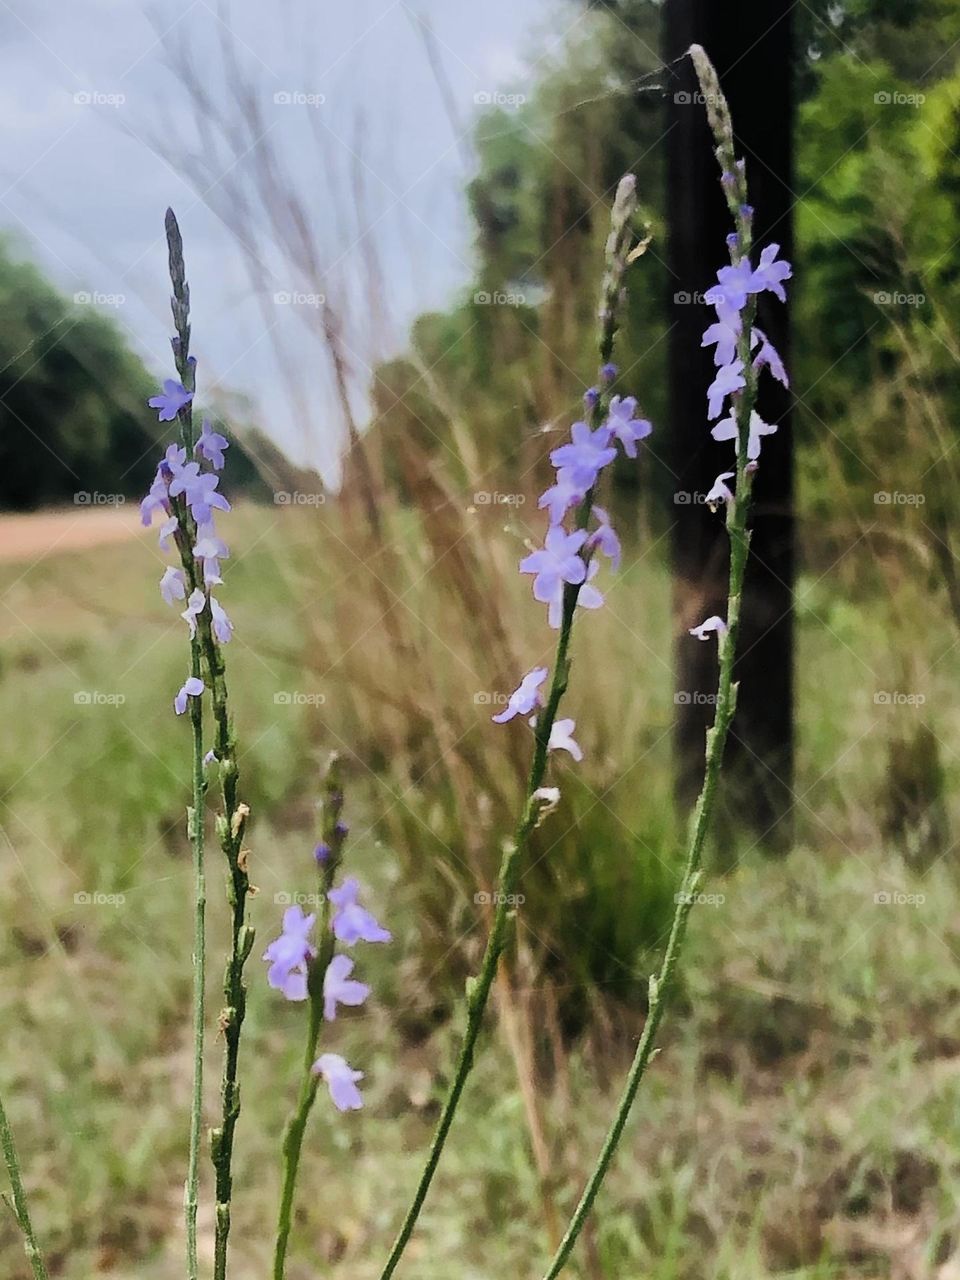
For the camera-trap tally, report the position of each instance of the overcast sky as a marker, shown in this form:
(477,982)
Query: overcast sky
(90,100)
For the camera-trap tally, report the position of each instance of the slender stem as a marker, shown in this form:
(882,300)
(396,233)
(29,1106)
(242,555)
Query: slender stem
(332,837)
(231,822)
(737,513)
(478,987)
(20,1210)
(191,1191)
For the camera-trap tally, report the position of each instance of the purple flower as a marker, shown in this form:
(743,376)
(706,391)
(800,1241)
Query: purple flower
(771,273)
(713,623)
(605,537)
(173,585)
(341,1080)
(720,492)
(288,954)
(192,688)
(171,400)
(769,356)
(222,626)
(168,528)
(525,697)
(625,426)
(322,852)
(339,988)
(729,379)
(729,295)
(199,487)
(559,498)
(727,430)
(561,739)
(556,563)
(609,372)
(591,397)
(210,550)
(156,500)
(351,922)
(725,333)
(210,758)
(589,597)
(195,606)
(583,460)
(211,445)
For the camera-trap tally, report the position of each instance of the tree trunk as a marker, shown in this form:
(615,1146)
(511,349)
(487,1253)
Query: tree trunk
(749,41)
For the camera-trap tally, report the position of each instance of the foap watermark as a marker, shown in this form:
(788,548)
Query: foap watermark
(897,299)
(86,498)
(497,98)
(896,98)
(696,299)
(686,498)
(490,698)
(896,698)
(94,698)
(85,298)
(699,899)
(684,99)
(488,498)
(894,498)
(294,498)
(897,898)
(95,898)
(297,698)
(497,899)
(297,899)
(298,298)
(96,98)
(696,698)
(298,98)
(499,298)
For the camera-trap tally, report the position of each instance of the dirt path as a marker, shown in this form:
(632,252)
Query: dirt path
(25,537)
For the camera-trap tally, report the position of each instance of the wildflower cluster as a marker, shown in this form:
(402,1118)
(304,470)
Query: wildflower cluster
(565,561)
(186,495)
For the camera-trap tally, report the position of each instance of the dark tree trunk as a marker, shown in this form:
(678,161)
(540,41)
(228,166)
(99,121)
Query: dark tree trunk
(749,41)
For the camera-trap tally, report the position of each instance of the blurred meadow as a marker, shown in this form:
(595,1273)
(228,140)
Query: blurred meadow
(387,450)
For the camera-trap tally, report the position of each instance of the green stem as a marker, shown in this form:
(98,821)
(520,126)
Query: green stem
(478,988)
(661,985)
(20,1210)
(191,1191)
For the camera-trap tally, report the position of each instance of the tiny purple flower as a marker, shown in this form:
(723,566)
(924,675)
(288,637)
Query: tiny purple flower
(561,738)
(222,626)
(167,529)
(192,688)
(585,457)
(725,334)
(591,397)
(195,606)
(171,400)
(339,988)
(210,550)
(769,356)
(727,430)
(211,445)
(605,538)
(713,623)
(288,954)
(156,500)
(173,585)
(609,372)
(720,491)
(340,1079)
(771,272)
(210,758)
(322,852)
(525,697)
(729,379)
(351,922)
(589,597)
(560,497)
(627,428)
(556,563)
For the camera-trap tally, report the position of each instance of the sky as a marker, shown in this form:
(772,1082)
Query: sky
(101,136)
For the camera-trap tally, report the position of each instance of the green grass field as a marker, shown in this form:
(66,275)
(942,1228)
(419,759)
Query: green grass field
(801,1120)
